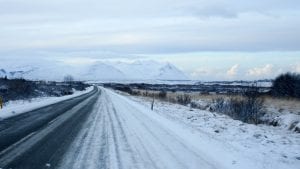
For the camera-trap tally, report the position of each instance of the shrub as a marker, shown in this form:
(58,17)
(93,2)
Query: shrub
(162,94)
(124,89)
(136,93)
(286,85)
(146,93)
(184,99)
(20,88)
(220,105)
(247,108)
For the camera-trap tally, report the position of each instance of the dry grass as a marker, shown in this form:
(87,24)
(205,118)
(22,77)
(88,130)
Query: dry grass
(283,104)
(279,104)
(173,95)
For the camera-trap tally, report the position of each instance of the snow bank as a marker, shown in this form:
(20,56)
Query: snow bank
(267,146)
(17,107)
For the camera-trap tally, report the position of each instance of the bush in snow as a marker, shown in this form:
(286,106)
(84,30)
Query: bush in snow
(162,94)
(184,99)
(19,89)
(247,108)
(126,89)
(220,105)
(287,85)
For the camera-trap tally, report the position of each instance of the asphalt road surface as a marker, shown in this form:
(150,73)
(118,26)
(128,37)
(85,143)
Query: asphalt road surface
(32,140)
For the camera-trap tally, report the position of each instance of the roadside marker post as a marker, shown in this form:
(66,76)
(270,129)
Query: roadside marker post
(1,102)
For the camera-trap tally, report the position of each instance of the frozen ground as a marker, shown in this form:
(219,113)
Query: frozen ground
(267,146)
(17,107)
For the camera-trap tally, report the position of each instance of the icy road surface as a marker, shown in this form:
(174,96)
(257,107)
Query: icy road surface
(109,131)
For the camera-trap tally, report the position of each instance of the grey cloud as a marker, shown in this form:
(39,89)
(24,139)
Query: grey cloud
(157,26)
(142,8)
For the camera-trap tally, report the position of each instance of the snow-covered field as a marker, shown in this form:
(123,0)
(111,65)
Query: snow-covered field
(13,108)
(267,146)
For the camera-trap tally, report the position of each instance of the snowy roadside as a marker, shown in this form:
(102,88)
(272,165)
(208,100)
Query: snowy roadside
(17,107)
(268,146)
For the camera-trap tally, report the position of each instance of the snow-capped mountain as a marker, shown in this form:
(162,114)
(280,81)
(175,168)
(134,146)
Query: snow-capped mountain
(150,70)
(101,70)
(170,72)
(16,73)
(98,70)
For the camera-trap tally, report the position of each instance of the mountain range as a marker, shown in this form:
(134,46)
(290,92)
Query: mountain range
(98,70)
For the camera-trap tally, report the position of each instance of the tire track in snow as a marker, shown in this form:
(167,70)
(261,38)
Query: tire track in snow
(159,142)
(123,149)
(84,152)
(115,143)
(118,135)
(175,148)
(141,151)
(127,147)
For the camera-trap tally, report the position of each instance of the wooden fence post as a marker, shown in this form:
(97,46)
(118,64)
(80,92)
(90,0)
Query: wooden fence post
(1,102)
(152,104)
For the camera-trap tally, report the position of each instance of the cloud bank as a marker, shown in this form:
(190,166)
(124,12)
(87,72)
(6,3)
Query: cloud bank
(158,26)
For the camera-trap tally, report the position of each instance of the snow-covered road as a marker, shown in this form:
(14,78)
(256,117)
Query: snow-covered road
(110,131)
(122,134)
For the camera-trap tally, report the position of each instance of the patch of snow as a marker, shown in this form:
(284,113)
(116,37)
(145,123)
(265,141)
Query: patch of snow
(285,117)
(289,121)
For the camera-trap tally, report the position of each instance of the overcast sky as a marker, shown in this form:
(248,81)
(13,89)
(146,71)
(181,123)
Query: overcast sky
(208,39)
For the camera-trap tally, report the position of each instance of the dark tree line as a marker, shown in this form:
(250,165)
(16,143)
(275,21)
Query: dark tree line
(286,85)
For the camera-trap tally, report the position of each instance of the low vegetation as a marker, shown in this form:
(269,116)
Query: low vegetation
(247,107)
(17,89)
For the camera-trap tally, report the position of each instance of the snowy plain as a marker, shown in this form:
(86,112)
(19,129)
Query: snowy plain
(223,138)
(13,108)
